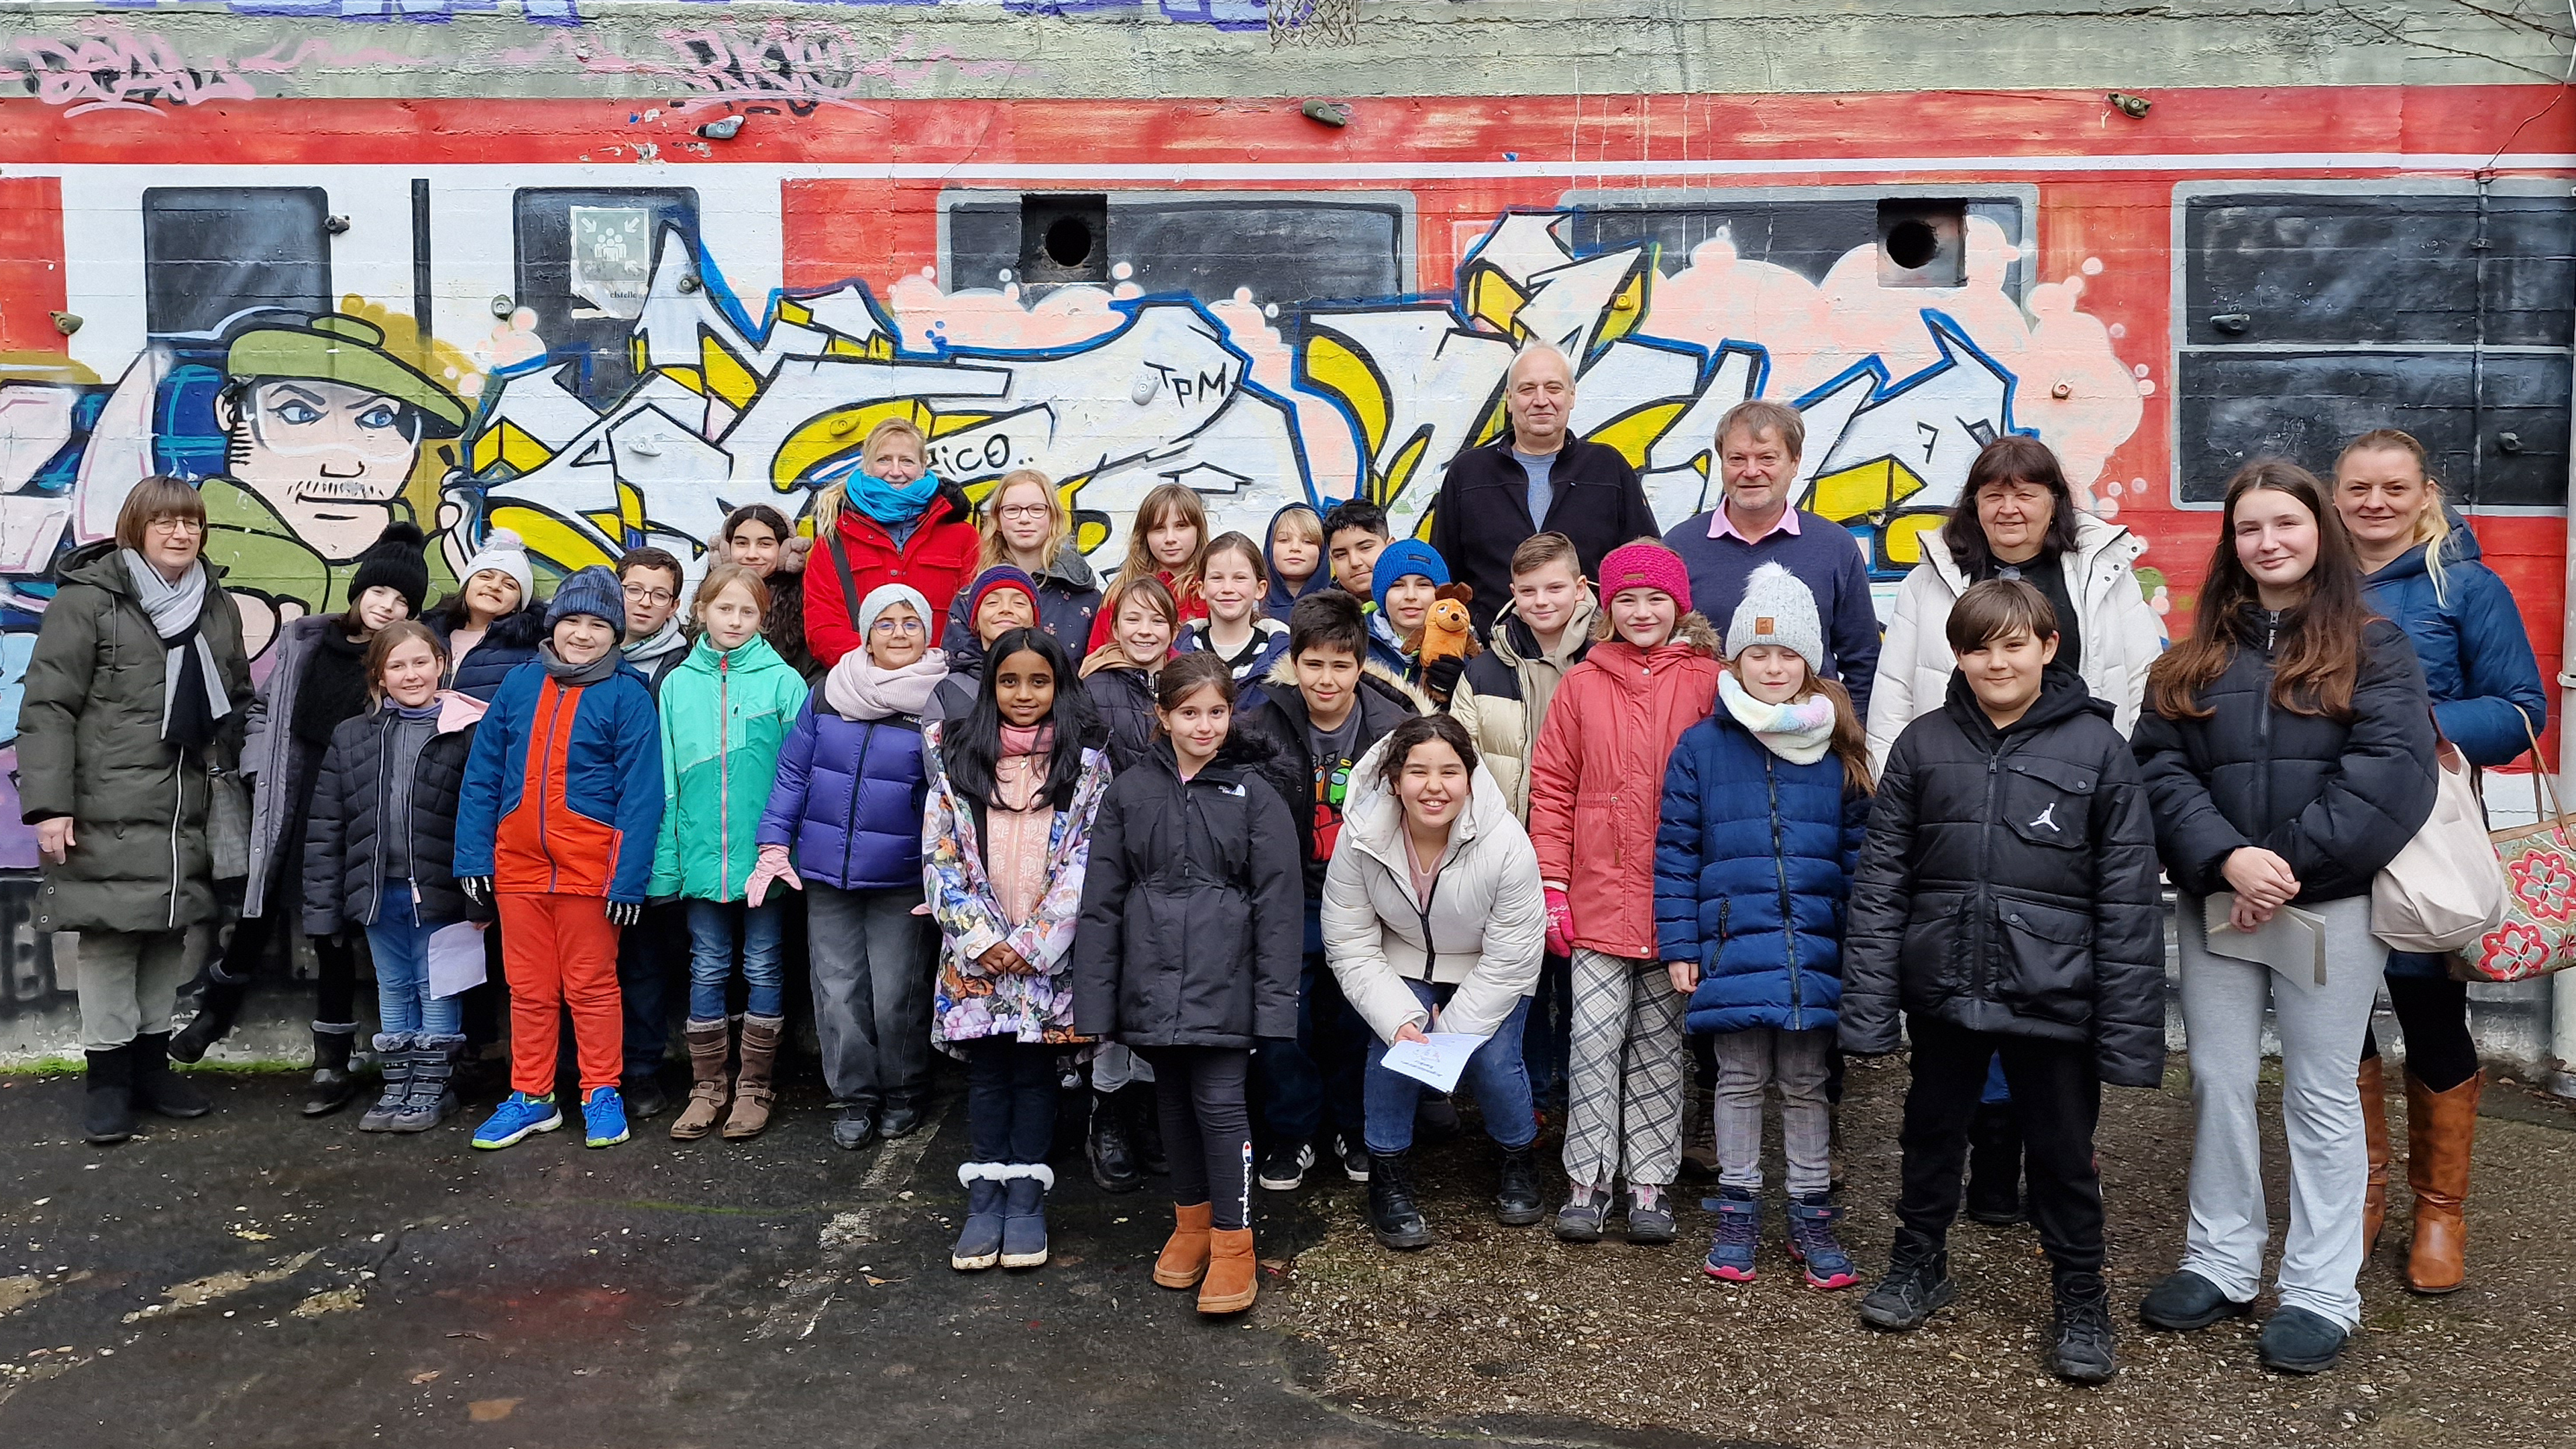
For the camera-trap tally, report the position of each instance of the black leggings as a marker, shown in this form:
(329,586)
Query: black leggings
(335,989)
(1207,1132)
(1010,1099)
(2433,1014)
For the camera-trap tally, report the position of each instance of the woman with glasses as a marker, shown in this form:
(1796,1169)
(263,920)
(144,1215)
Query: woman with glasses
(1026,525)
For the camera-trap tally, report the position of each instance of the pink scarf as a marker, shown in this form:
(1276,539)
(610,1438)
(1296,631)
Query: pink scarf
(857,689)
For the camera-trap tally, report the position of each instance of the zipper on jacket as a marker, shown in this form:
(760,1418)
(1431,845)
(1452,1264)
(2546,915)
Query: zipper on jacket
(2263,730)
(1780,864)
(724,775)
(387,726)
(858,776)
(1982,931)
(178,807)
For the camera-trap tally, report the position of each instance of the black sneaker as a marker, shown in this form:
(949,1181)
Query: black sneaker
(643,1096)
(1354,1156)
(855,1127)
(2185,1302)
(1917,1285)
(2295,1341)
(1113,1157)
(1283,1167)
(2083,1351)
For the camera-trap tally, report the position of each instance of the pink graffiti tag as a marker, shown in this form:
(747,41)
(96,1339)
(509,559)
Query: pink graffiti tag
(111,68)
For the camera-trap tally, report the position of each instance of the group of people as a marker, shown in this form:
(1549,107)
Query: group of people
(1672,827)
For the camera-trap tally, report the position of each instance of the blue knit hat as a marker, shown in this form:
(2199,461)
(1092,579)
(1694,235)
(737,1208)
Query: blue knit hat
(1403,558)
(593,591)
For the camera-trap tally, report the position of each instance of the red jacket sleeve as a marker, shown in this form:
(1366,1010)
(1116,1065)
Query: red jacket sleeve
(1555,766)
(828,630)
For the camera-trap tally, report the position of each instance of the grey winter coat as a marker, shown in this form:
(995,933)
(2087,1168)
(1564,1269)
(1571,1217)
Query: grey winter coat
(1193,907)
(278,766)
(89,746)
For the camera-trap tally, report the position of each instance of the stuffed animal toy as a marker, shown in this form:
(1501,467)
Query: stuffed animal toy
(1446,630)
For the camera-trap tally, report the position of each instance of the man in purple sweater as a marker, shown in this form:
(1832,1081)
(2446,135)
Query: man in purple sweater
(1757,453)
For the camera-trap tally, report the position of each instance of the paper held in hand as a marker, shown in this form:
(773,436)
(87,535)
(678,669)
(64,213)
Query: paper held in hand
(455,958)
(2292,943)
(1437,1060)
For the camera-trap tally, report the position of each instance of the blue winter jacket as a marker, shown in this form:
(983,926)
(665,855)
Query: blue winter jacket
(849,799)
(1753,863)
(563,788)
(2477,659)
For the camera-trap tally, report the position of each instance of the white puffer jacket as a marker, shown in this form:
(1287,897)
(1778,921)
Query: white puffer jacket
(1486,928)
(2121,635)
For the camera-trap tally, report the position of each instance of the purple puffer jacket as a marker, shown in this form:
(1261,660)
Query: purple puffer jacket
(849,799)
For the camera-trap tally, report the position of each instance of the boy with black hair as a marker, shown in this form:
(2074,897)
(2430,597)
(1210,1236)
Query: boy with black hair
(2007,899)
(1327,703)
(1355,533)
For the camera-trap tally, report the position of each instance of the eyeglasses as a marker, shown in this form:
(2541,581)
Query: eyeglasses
(1022,511)
(172,523)
(635,595)
(899,626)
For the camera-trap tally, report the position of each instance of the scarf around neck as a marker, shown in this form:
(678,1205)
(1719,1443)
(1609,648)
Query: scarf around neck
(192,683)
(857,689)
(664,640)
(576,676)
(892,504)
(1799,731)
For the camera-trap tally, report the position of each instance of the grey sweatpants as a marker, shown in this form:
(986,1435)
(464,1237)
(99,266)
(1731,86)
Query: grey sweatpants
(1748,1063)
(2321,1029)
(129,984)
(873,960)
(1625,1073)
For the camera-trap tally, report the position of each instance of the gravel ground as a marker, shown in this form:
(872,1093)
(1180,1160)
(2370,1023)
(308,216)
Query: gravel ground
(1507,1331)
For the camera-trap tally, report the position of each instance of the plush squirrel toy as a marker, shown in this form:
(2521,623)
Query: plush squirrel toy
(1446,630)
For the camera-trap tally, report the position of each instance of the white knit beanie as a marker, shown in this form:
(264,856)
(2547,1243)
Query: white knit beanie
(1778,609)
(504,552)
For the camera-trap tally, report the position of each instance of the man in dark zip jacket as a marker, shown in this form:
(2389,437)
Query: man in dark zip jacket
(2007,902)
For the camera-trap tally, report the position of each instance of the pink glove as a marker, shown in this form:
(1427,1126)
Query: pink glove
(1560,924)
(772,866)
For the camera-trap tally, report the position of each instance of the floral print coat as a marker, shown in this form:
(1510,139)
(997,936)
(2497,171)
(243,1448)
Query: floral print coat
(972,1002)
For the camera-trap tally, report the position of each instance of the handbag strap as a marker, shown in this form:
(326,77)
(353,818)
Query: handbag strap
(2540,781)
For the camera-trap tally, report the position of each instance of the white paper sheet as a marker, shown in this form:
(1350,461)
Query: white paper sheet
(455,958)
(2292,943)
(1437,1060)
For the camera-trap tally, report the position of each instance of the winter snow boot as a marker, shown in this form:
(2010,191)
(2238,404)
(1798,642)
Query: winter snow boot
(107,1105)
(432,1094)
(1024,1224)
(1184,1259)
(1812,1243)
(752,1093)
(2374,1131)
(218,1003)
(1917,1284)
(333,1083)
(393,1058)
(1994,1166)
(979,1243)
(1113,1159)
(158,1089)
(1392,1214)
(1232,1275)
(709,1042)
(2440,1129)
(1145,1127)
(2083,1351)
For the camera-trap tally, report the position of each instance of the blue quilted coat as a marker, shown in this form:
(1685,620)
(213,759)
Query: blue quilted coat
(849,798)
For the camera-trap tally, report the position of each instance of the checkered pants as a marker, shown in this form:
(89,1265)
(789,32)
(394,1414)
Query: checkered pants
(1627,1074)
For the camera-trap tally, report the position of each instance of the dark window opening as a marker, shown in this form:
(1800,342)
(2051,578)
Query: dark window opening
(1061,236)
(212,252)
(1922,244)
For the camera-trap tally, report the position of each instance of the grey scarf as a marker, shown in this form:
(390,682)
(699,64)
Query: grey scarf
(575,676)
(640,652)
(174,608)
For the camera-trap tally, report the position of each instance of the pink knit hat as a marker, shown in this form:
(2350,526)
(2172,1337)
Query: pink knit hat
(1646,564)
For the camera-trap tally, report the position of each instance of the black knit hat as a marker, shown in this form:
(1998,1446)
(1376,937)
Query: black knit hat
(394,561)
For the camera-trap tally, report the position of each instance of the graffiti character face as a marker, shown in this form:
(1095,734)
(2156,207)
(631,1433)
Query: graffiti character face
(1644,617)
(2015,514)
(1544,597)
(379,606)
(897,638)
(1759,467)
(2381,492)
(330,458)
(1024,688)
(1537,396)
(2276,541)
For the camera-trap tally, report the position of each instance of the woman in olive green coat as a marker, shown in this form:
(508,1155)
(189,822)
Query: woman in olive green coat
(133,707)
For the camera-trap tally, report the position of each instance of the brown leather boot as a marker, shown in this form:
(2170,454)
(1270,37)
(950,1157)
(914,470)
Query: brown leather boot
(708,1044)
(1185,1253)
(2374,1130)
(2440,1129)
(1231,1271)
(751,1093)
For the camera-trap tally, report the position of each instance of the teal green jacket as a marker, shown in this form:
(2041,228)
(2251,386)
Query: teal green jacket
(724,717)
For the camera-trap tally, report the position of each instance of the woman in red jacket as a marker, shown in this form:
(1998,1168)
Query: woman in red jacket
(887,520)
(1596,785)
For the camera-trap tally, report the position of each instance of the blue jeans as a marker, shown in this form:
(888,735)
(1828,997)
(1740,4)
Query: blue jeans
(399,942)
(1318,1075)
(713,926)
(1495,1077)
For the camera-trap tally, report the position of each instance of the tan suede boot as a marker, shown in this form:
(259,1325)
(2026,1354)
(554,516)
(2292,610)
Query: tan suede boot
(1185,1254)
(2441,1127)
(751,1091)
(2374,1130)
(708,1042)
(1232,1272)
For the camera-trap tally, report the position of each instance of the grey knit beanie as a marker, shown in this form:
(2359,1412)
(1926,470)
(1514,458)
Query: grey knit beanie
(1778,609)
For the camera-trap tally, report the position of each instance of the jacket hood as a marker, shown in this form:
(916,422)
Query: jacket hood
(2062,696)
(1374,818)
(2459,546)
(96,564)
(1279,598)
(1283,678)
(1515,643)
(1070,570)
(2094,537)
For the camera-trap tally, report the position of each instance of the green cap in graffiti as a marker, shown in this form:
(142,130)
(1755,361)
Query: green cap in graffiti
(350,352)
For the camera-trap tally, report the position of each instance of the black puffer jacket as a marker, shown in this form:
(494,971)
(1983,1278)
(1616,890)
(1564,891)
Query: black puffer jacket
(2336,799)
(2008,885)
(1193,909)
(510,642)
(1123,696)
(343,869)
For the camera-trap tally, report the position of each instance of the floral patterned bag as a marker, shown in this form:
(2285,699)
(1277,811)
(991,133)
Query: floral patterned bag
(2538,933)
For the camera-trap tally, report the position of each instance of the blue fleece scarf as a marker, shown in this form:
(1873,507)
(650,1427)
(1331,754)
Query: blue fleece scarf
(892,504)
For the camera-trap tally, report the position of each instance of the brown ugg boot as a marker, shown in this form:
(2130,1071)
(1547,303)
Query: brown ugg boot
(2440,1129)
(1185,1253)
(708,1043)
(2374,1130)
(1230,1286)
(751,1092)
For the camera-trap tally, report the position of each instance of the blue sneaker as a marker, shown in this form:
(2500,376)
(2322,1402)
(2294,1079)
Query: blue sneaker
(603,1118)
(518,1115)
(1812,1243)
(1739,1232)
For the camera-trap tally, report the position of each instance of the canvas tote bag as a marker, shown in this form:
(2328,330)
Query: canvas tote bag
(2538,932)
(2446,889)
